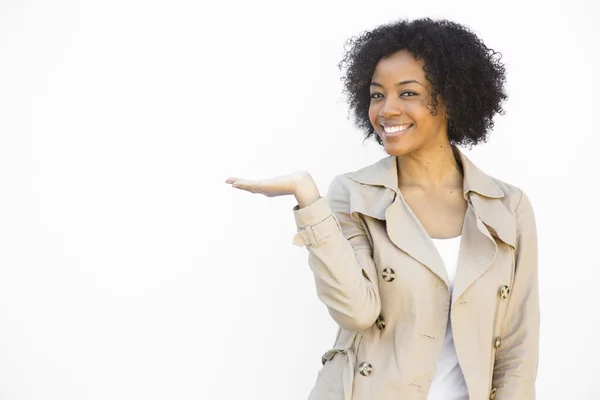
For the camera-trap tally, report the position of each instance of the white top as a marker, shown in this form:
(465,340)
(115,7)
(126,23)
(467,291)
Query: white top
(448,382)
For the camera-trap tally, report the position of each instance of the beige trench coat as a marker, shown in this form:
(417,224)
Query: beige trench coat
(384,283)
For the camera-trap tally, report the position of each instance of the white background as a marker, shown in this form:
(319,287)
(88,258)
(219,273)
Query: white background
(130,270)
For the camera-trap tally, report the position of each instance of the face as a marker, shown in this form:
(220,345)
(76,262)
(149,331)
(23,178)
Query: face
(398,110)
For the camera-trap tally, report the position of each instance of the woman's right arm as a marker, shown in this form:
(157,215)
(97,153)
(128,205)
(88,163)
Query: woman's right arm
(340,254)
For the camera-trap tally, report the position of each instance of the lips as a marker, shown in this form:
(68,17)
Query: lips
(392,131)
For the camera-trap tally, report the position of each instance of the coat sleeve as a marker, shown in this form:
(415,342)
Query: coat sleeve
(516,362)
(340,257)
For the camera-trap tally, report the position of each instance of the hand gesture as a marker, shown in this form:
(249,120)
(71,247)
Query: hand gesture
(278,186)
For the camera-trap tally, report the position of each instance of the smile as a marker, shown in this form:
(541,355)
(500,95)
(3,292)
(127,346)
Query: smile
(394,131)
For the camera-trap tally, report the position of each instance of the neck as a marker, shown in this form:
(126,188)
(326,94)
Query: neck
(431,168)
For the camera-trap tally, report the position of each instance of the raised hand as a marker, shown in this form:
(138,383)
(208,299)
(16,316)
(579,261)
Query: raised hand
(271,187)
(300,184)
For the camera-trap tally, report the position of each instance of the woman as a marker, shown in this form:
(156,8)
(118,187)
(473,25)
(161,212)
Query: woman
(427,264)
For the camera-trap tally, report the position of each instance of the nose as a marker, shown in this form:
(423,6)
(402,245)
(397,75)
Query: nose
(390,108)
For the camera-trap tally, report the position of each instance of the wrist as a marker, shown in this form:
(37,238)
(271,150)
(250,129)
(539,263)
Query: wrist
(306,191)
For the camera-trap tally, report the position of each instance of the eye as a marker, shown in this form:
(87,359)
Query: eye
(376,95)
(408,93)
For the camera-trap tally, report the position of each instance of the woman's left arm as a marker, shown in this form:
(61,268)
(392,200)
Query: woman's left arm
(516,363)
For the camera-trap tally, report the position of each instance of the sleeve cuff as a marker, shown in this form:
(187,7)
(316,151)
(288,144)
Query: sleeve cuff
(312,214)
(315,222)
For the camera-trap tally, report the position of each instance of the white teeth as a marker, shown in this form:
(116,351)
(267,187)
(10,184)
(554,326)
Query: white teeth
(397,128)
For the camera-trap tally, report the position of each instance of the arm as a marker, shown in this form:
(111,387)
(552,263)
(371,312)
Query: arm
(340,256)
(516,363)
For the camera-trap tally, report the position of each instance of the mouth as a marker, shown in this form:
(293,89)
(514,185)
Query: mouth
(390,132)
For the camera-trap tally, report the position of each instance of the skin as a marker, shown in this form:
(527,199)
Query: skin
(429,176)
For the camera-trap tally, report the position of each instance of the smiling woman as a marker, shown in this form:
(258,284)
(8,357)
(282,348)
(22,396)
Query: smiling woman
(437,67)
(427,264)
(398,104)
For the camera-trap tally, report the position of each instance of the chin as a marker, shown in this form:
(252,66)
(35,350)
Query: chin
(397,149)
(399,146)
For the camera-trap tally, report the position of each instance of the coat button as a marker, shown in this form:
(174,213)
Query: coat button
(504,292)
(365,368)
(380,322)
(498,342)
(493,394)
(388,275)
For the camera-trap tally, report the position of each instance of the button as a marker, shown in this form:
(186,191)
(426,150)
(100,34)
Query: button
(504,292)
(365,368)
(493,394)
(380,322)
(388,275)
(498,342)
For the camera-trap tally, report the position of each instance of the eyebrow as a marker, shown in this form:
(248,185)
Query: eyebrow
(399,83)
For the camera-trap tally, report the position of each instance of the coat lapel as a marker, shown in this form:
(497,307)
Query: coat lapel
(487,217)
(378,196)
(407,233)
(477,253)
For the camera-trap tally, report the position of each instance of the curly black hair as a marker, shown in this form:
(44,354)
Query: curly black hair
(461,68)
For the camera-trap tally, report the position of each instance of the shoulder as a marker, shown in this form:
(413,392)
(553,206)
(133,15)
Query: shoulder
(341,189)
(514,197)
(519,205)
(378,174)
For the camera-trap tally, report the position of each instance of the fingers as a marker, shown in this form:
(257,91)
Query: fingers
(243,184)
(237,182)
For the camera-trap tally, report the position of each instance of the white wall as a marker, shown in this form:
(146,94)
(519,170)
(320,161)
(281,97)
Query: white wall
(129,269)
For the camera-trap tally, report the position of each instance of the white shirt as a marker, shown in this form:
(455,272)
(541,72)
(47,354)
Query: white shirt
(448,381)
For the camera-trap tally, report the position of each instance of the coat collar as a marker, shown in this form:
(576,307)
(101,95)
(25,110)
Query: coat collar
(487,217)
(385,173)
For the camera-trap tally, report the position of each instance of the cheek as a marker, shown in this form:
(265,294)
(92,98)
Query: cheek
(373,115)
(422,115)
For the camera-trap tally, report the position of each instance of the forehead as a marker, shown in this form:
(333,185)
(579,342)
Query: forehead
(399,66)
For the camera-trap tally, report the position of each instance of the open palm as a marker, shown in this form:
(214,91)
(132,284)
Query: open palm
(271,187)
